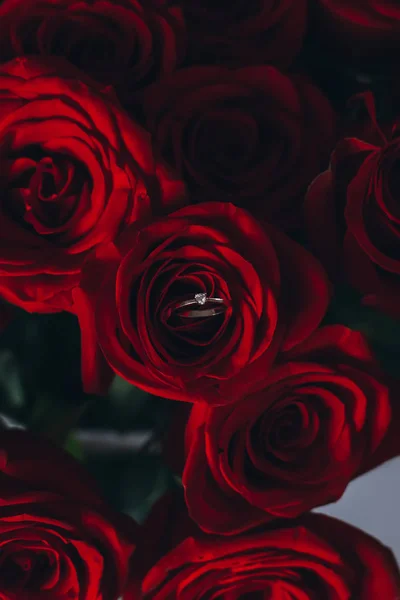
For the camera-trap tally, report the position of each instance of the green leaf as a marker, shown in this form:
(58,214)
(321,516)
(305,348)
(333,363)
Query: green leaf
(177,480)
(74,447)
(347,309)
(54,419)
(381,331)
(143,482)
(127,399)
(11,382)
(131,484)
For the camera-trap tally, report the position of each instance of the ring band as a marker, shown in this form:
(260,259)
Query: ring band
(200,300)
(209,312)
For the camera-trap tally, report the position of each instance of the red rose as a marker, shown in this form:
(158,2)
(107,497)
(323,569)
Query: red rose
(250,136)
(124,43)
(314,558)
(251,32)
(364,32)
(74,171)
(58,538)
(274,294)
(354,219)
(293,445)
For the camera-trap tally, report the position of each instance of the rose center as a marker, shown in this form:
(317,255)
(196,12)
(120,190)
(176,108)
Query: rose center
(44,191)
(226,138)
(24,569)
(286,428)
(93,52)
(195,320)
(187,317)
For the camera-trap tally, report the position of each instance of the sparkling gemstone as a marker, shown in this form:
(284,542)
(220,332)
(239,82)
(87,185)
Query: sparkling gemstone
(201,299)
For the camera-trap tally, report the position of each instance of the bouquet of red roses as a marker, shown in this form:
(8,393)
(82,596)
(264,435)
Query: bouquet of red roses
(199,296)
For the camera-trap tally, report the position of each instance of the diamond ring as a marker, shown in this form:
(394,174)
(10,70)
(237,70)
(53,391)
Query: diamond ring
(201,300)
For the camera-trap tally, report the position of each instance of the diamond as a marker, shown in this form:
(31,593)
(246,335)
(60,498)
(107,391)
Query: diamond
(201,299)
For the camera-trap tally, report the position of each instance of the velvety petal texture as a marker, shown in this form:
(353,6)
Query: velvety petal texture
(353,215)
(74,172)
(293,445)
(313,558)
(245,32)
(363,33)
(58,538)
(127,44)
(274,295)
(251,136)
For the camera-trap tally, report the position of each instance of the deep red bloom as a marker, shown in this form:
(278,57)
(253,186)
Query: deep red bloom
(313,558)
(124,43)
(251,136)
(353,215)
(74,172)
(58,538)
(293,445)
(245,32)
(274,295)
